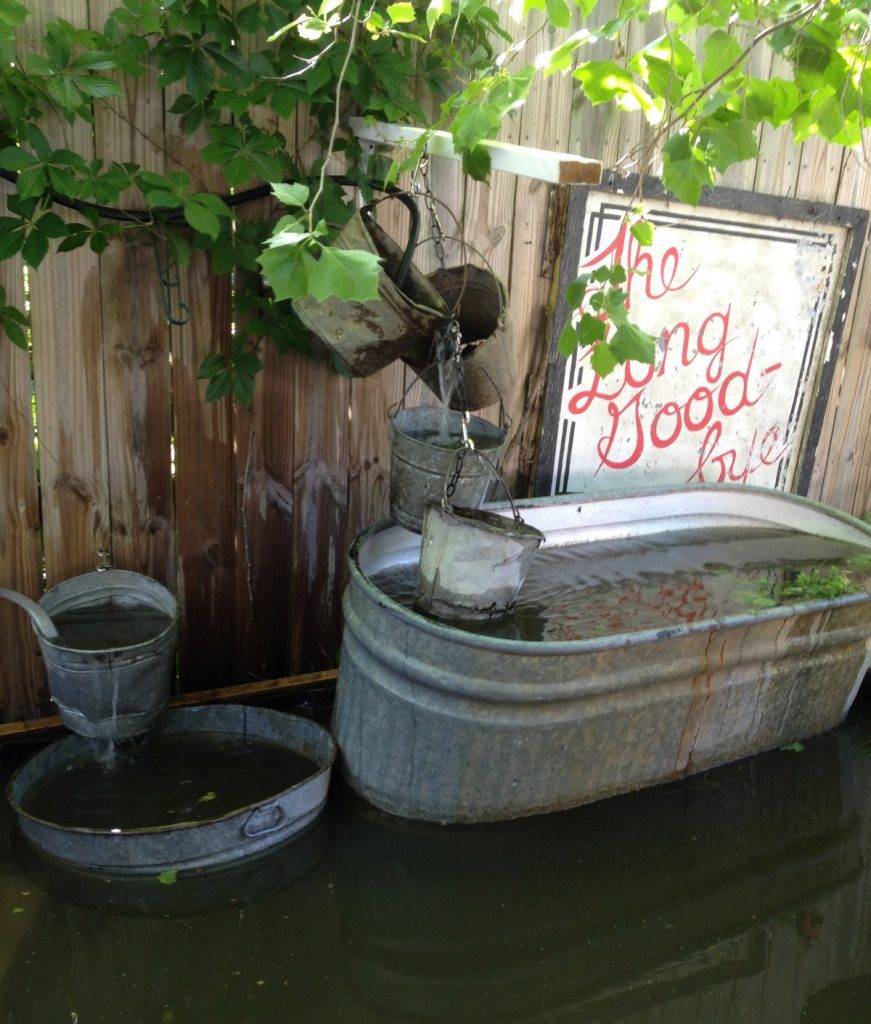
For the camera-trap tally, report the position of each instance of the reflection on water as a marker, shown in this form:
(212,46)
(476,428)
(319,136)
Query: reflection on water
(736,896)
(600,588)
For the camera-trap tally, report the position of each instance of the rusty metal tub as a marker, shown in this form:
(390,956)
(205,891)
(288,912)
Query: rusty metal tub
(439,724)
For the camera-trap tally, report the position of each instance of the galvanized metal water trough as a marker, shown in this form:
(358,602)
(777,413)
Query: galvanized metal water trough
(444,725)
(189,845)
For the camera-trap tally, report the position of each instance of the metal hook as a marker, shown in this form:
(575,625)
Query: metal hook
(168,275)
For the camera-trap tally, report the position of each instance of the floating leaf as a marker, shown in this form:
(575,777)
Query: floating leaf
(795,747)
(207,798)
(168,877)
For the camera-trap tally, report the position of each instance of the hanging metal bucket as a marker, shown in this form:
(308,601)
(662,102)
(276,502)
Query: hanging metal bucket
(367,336)
(473,563)
(423,446)
(107,691)
(480,303)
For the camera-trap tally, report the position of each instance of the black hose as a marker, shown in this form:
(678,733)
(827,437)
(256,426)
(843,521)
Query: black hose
(238,199)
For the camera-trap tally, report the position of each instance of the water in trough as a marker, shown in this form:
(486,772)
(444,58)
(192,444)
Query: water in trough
(606,587)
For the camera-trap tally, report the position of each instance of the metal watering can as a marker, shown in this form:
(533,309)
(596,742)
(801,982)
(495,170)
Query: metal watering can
(104,686)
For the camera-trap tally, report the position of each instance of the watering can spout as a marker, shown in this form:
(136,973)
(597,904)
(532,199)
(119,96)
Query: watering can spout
(42,622)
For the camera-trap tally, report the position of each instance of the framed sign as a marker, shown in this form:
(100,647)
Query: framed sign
(747,296)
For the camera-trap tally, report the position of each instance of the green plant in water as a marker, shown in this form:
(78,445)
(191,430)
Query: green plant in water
(703,108)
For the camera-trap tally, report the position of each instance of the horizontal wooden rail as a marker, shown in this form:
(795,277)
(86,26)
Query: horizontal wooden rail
(266,687)
(541,164)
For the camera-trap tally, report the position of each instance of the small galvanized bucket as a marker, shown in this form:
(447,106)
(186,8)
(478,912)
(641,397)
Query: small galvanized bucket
(115,692)
(479,301)
(472,562)
(367,336)
(423,445)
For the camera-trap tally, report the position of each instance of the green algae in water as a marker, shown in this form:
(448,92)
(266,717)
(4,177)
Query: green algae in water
(166,779)
(602,588)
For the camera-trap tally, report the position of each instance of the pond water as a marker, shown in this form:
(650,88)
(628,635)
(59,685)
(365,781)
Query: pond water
(600,588)
(741,896)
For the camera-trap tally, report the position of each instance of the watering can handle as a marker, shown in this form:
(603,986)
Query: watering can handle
(41,621)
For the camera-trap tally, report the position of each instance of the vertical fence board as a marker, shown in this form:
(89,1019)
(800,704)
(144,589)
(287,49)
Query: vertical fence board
(22,692)
(136,342)
(264,474)
(68,369)
(205,483)
(842,469)
(544,122)
(320,433)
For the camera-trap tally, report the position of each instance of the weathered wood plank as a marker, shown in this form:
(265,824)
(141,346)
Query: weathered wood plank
(68,368)
(205,478)
(545,119)
(320,432)
(22,678)
(842,468)
(136,342)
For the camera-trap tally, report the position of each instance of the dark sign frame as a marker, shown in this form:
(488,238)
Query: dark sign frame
(814,213)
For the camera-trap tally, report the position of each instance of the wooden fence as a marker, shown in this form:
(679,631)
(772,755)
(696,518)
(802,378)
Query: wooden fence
(247,516)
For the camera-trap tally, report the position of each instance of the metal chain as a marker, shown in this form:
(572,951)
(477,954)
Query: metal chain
(451,485)
(449,342)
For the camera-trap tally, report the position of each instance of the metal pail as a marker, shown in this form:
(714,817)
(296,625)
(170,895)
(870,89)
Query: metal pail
(420,461)
(473,563)
(367,336)
(115,692)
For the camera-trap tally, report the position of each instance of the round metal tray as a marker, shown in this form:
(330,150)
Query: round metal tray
(189,845)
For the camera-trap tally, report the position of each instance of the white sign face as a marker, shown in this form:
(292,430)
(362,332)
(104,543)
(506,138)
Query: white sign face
(743,305)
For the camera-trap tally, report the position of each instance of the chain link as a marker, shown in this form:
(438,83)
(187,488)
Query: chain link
(451,485)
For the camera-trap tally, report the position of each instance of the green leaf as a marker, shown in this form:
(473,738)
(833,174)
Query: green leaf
(212,365)
(168,877)
(400,13)
(14,159)
(437,10)
(350,274)
(291,195)
(603,359)
(220,385)
(642,231)
(727,139)
(558,13)
(604,80)
(476,163)
(629,342)
(576,291)
(34,249)
(12,13)
(568,339)
(601,274)
(207,798)
(284,271)
(795,748)
(721,51)
(772,100)
(200,218)
(18,910)
(591,329)
(683,173)
(64,91)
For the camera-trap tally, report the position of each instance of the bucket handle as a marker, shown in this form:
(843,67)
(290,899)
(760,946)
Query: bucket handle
(253,833)
(505,421)
(452,477)
(41,620)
